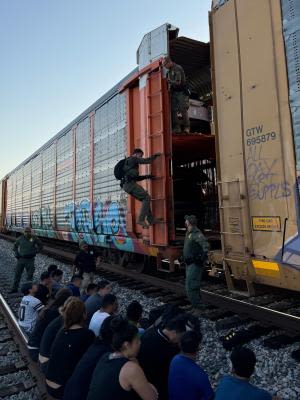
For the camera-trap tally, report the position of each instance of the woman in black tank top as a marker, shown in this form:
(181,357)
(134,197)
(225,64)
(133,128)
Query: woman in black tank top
(117,375)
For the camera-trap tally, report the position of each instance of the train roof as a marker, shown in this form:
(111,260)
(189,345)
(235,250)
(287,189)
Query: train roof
(98,103)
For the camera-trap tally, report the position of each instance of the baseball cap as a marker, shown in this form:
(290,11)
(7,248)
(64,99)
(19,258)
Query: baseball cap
(192,219)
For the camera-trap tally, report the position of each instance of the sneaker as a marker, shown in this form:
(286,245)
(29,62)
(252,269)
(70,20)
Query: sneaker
(186,130)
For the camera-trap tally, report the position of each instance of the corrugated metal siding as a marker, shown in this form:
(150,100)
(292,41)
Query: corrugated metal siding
(36,183)
(64,183)
(291,28)
(82,184)
(1,185)
(19,197)
(26,193)
(109,147)
(48,187)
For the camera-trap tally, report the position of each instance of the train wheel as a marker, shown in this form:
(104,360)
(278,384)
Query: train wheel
(134,262)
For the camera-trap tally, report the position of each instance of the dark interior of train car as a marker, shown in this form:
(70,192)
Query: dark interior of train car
(194,159)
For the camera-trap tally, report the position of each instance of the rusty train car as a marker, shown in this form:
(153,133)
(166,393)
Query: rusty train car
(236,170)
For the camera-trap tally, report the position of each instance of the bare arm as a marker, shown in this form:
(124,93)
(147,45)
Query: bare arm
(132,377)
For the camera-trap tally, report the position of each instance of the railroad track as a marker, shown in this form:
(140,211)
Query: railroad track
(18,375)
(274,308)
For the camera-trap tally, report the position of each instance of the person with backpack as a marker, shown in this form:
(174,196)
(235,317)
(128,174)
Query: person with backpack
(127,171)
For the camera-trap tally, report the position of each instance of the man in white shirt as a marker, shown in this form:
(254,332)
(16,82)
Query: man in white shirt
(29,307)
(109,306)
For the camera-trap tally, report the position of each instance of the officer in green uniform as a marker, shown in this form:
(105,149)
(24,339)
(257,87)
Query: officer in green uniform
(195,252)
(179,96)
(129,185)
(25,249)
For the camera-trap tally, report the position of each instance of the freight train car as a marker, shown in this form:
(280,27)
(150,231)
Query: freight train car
(255,49)
(67,190)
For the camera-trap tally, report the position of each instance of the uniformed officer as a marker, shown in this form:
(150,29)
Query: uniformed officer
(179,96)
(25,248)
(128,183)
(195,252)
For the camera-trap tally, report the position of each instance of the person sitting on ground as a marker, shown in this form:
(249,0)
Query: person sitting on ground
(29,307)
(52,268)
(237,385)
(75,285)
(118,375)
(44,287)
(109,307)
(89,291)
(85,264)
(187,380)
(78,385)
(158,347)
(134,314)
(70,344)
(50,334)
(94,302)
(47,314)
(56,277)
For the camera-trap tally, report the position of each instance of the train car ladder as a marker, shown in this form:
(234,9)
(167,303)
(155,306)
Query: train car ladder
(156,144)
(232,232)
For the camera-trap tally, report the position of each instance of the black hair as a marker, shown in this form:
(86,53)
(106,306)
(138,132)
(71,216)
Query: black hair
(59,300)
(108,300)
(45,275)
(123,331)
(176,324)
(243,361)
(52,268)
(190,342)
(102,284)
(75,278)
(57,272)
(26,287)
(137,151)
(106,332)
(91,286)
(134,311)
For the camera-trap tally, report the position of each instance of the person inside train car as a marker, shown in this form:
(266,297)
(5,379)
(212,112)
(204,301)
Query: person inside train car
(237,385)
(158,347)
(75,285)
(85,264)
(117,374)
(29,307)
(109,307)
(44,287)
(187,380)
(47,314)
(78,385)
(25,248)
(179,96)
(89,291)
(68,347)
(50,334)
(134,314)
(94,302)
(56,285)
(195,252)
(129,185)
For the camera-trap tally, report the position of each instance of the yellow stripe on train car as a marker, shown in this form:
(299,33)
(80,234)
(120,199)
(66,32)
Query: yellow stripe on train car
(266,268)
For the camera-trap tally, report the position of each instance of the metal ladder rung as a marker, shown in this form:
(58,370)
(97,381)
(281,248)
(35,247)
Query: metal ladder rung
(232,233)
(160,133)
(154,114)
(228,207)
(158,198)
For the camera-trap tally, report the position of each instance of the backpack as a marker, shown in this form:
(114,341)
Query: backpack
(119,169)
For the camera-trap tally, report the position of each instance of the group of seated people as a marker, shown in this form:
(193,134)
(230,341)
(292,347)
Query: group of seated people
(88,351)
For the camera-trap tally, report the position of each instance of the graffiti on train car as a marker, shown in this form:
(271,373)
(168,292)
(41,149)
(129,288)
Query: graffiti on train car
(264,182)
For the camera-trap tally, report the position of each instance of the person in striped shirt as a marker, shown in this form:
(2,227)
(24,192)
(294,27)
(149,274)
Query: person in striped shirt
(29,307)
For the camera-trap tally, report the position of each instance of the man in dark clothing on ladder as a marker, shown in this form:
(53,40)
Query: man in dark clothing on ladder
(129,185)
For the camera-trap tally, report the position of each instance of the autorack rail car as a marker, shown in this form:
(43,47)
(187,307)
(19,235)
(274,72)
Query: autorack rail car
(236,170)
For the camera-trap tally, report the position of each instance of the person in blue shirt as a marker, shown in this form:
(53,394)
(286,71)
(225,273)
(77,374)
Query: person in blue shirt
(90,290)
(75,285)
(187,380)
(237,385)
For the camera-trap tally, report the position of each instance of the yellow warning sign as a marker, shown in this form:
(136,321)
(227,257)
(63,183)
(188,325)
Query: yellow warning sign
(267,224)
(266,268)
